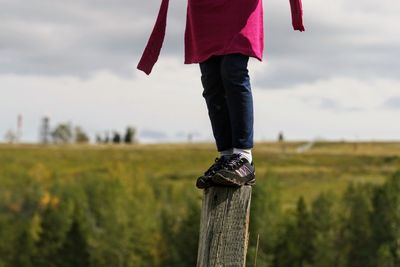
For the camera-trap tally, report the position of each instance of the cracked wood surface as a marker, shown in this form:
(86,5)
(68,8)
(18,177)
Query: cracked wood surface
(224,227)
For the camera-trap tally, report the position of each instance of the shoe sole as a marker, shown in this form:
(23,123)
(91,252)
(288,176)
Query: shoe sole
(220,179)
(202,185)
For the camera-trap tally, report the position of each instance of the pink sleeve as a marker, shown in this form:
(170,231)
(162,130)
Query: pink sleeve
(153,47)
(297,15)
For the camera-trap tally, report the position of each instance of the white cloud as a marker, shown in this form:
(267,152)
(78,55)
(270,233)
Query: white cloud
(354,110)
(170,102)
(75,61)
(357,39)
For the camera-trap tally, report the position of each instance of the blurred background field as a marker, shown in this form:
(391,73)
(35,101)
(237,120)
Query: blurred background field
(314,204)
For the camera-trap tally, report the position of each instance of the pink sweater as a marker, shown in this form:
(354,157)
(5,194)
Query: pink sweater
(216,27)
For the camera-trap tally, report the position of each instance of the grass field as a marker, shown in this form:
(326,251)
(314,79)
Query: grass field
(137,205)
(327,166)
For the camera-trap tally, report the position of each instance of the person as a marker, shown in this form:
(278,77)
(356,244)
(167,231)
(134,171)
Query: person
(221,36)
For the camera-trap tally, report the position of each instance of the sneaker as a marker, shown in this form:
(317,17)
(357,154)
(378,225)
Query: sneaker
(235,171)
(205,180)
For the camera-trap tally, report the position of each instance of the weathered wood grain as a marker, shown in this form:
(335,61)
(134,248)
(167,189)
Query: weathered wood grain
(224,227)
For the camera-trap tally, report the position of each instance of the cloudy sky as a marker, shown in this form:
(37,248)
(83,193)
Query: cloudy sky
(75,61)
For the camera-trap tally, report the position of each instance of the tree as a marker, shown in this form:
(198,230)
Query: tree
(99,140)
(188,234)
(10,136)
(295,247)
(324,227)
(130,135)
(62,134)
(107,138)
(181,236)
(265,217)
(116,138)
(286,251)
(74,250)
(385,221)
(305,233)
(357,227)
(80,135)
(23,250)
(385,257)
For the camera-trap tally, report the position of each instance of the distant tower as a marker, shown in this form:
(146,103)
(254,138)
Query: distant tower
(281,141)
(281,137)
(19,128)
(45,131)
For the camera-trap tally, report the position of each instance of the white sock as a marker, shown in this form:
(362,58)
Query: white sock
(226,152)
(245,153)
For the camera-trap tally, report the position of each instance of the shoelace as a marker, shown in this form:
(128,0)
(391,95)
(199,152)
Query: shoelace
(218,162)
(233,162)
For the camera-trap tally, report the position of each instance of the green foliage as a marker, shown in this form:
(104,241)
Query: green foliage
(80,136)
(180,236)
(324,223)
(130,135)
(357,226)
(64,206)
(265,217)
(386,222)
(62,133)
(74,249)
(116,138)
(296,246)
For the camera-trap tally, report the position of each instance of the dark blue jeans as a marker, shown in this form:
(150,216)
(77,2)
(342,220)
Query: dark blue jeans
(229,99)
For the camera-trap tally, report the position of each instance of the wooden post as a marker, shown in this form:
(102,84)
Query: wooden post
(224,227)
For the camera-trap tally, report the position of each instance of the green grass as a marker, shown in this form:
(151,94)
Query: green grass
(140,200)
(328,166)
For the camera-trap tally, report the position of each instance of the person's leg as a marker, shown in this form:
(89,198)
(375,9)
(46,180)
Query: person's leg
(214,95)
(236,81)
(238,169)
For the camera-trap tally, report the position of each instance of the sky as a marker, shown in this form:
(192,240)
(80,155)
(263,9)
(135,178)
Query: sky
(75,61)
